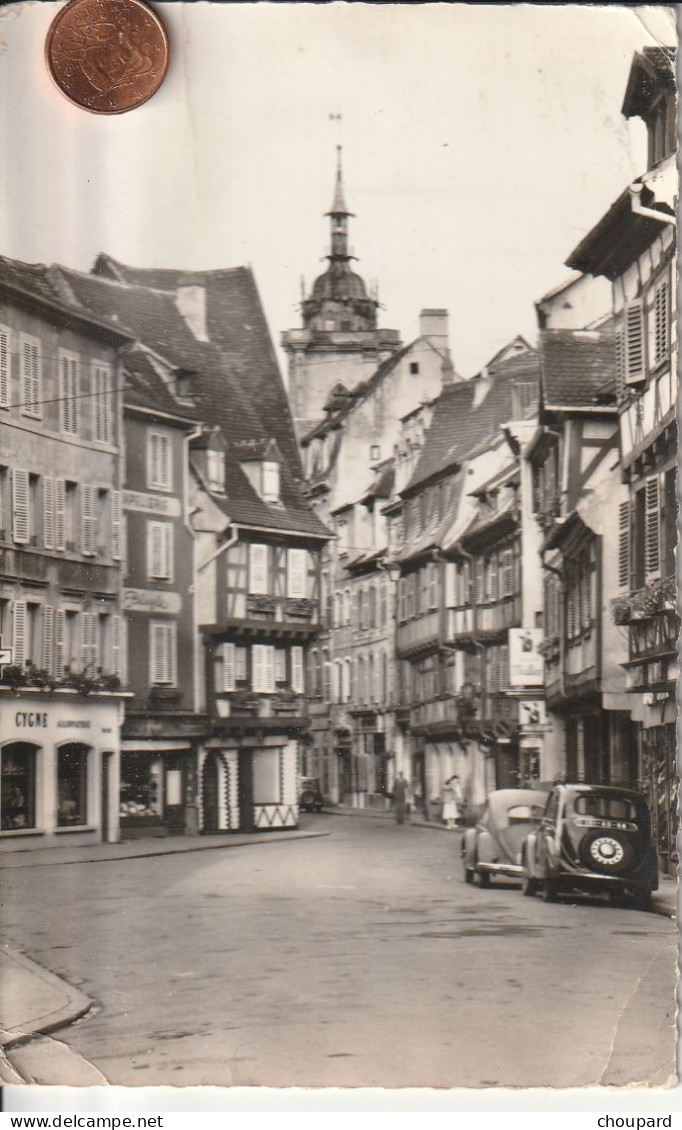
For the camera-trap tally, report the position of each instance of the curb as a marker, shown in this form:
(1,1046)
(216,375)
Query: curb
(28,859)
(75,1005)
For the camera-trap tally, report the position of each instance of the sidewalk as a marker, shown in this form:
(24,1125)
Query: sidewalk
(663,901)
(140,849)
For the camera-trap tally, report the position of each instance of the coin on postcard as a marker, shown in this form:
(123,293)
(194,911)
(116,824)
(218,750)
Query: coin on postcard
(107,56)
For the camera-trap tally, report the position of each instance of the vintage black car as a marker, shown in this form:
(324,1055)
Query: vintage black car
(592,838)
(494,846)
(310,798)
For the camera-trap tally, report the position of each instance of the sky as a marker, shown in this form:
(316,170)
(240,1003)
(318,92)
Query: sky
(480,143)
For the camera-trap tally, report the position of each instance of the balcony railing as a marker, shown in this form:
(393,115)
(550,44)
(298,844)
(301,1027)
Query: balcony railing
(498,616)
(252,704)
(418,633)
(441,710)
(282,609)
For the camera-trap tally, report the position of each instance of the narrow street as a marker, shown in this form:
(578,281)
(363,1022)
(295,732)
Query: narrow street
(356,959)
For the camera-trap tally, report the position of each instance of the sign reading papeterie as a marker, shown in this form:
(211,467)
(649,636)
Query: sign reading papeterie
(148,600)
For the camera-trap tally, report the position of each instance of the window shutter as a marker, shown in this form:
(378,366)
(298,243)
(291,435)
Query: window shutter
(269,669)
(450,585)
(60,514)
(652,548)
(164,461)
(258,667)
(19,633)
(624,545)
(4,368)
(30,379)
(48,638)
(86,640)
(228,656)
(158,656)
(88,519)
(297,669)
(634,343)
(68,392)
(48,512)
(661,319)
(116,525)
(116,645)
(20,507)
(156,550)
(478,582)
(620,365)
(101,404)
(153,440)
(296,572)
(433,587)
(59,641)
(258,569)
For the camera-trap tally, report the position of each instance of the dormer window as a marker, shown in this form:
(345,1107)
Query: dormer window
(270,482)
(215,470)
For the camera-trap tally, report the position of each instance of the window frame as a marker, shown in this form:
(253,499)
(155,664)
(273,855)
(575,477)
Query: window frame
(164,439)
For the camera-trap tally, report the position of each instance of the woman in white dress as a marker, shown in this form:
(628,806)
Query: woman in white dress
(450,800)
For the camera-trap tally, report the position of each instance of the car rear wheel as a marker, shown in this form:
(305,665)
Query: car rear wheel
(307,800)
(529,886)
(548,891)
(608,852)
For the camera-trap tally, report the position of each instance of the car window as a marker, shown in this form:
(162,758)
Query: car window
(525,812)
(608,807)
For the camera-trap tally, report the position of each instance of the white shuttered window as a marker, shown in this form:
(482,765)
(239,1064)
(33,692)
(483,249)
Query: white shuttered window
(30,377)
(634,343)
(652,530)
(101,403)
(48,639)
(159,465)
(297,670)
(21,519)
(19,632)
(88,520)
(163,652)
(68,392)
(263,668)
(227,654)
(624,545)
(160,551)
(297,565)
(48,512)
(4,367)
(258,569)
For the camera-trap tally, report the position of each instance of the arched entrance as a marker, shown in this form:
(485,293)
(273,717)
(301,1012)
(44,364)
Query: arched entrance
(209,791)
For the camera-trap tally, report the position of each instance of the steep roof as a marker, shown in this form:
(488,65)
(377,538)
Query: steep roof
(236,325)
(578,368)
(146,388)
(652,68)
(43,284)
(431,535)
(457,427)
(222,390)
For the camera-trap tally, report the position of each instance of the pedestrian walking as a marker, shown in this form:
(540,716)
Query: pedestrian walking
(451,799)
(401,798)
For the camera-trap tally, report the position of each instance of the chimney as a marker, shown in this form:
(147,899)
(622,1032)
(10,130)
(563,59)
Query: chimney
(433,324)
(191,302)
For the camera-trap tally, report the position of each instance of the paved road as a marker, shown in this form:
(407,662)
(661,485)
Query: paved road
(357,959)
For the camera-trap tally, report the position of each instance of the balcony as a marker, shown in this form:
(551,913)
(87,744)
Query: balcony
(442,715)
(268,617)
(269,711)
(419,634)
(459,624)
(496,618)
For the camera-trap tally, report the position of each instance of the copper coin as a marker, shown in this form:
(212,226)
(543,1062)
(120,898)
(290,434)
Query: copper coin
(108,56)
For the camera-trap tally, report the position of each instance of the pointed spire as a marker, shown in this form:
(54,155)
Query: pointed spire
(339,207)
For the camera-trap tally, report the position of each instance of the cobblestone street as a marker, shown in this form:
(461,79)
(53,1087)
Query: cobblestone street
(358,959)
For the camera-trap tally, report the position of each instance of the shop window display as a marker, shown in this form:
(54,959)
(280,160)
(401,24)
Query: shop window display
(140,789)
(17,793)
(72,785)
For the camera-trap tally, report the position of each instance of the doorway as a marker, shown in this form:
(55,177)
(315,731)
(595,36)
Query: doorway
(209,792)
(174,792)
(245,791)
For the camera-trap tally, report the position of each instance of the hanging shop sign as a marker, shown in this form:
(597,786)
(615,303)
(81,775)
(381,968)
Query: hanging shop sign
(149,600)
(526,665)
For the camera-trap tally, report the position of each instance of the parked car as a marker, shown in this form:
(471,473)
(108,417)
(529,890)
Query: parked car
(494,846)
(310,798)
(592,838)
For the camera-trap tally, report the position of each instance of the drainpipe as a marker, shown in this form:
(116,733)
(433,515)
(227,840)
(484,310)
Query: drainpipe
(232,540)
(651,213)
(562,642)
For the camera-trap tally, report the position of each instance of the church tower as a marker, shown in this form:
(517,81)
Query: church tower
(339,344)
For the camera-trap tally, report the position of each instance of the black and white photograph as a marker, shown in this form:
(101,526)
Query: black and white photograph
(338,603)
